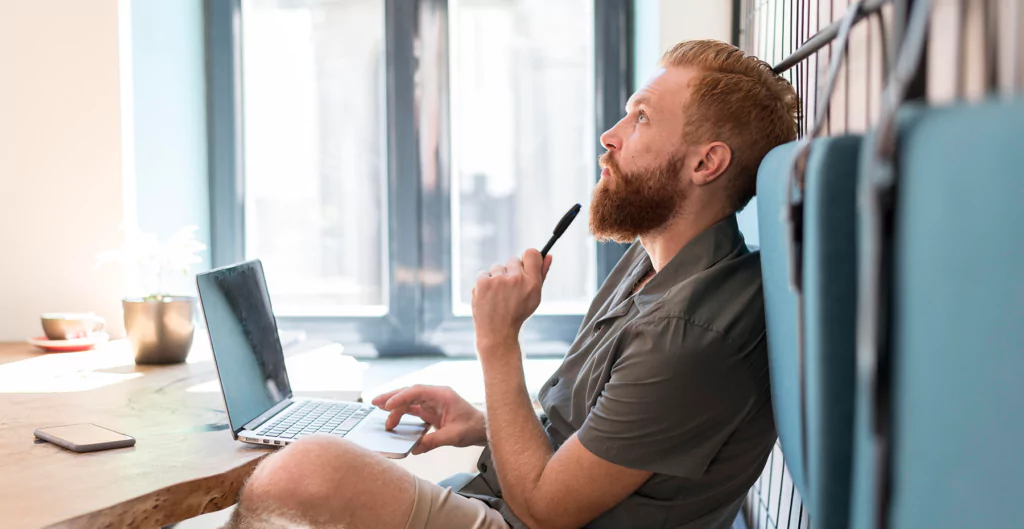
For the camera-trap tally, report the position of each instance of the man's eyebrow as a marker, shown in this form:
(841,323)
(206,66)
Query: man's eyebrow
(637,101)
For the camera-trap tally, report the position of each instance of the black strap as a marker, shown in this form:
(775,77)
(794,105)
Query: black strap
(874,356)
(990,25)
(1013,73)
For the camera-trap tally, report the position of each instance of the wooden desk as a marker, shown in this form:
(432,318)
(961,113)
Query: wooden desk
(185,462)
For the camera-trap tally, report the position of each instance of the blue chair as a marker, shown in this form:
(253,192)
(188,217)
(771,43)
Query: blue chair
(828,278)
(956,391)
(830,306)
(780,304)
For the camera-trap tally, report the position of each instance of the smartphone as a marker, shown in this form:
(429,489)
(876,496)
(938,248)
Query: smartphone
(84,437)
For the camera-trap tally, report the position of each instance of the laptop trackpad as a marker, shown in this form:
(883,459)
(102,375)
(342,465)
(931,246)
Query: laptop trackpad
(397,443)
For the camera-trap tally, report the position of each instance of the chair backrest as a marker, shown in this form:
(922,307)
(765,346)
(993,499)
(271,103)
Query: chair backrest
(780,304)
(830,306)
(958,313)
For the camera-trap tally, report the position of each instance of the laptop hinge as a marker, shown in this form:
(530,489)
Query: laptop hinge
(255,423)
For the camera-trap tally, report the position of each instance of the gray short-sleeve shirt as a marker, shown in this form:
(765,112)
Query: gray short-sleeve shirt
(671,380)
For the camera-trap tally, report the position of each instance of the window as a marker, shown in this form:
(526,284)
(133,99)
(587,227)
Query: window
(376,154)
(314,148)
(519,165)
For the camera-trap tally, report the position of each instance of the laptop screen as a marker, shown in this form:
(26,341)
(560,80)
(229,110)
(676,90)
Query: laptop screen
(246,346)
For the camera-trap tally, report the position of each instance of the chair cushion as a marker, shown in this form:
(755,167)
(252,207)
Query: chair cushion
(958,314)
(830,306)
(780,306)
(829,287)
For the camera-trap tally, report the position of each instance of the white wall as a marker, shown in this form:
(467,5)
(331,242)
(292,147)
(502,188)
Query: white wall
(60,161)
(695,19)
(660,24)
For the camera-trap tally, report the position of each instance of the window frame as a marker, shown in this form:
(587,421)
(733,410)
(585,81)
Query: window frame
(420,319)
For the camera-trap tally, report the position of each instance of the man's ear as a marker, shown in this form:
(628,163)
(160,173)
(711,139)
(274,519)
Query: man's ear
(714,159)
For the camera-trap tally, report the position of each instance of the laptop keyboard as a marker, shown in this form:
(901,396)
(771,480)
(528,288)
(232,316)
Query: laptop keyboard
(312,417)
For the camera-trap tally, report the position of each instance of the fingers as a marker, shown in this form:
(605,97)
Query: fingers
(394,418)
(407,396)
(484,275)
(435,439)
(514,266)
(408,401)
(533,264)
(427,413)
(425,445)
(379,400)
(497,270)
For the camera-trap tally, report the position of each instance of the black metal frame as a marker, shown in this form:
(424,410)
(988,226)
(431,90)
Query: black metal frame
(420,318)
(825,36)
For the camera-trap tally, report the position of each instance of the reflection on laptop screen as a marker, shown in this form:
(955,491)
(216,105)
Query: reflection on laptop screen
(245,342)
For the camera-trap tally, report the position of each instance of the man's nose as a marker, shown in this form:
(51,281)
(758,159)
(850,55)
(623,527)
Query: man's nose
(611,139)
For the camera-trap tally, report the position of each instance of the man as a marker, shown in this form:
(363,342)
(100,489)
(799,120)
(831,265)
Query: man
(660,414)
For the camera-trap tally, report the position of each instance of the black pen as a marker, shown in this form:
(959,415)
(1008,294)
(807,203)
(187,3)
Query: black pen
(560,229)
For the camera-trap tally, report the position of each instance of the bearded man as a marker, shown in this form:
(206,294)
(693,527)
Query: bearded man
(660,414)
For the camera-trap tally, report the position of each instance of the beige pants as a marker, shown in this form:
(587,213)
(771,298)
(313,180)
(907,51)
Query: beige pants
(440,508)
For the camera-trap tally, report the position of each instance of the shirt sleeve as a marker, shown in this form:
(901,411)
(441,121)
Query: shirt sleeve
(675,394)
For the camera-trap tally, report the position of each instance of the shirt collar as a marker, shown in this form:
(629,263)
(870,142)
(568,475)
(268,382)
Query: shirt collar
(705,250)
(717,242)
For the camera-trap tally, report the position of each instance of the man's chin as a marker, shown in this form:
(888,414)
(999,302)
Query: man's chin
(606,234)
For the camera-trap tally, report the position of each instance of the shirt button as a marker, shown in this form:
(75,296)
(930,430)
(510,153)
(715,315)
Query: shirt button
(483,467)
(554,382)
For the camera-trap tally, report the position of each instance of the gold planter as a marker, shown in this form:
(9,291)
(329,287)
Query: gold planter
(160,331)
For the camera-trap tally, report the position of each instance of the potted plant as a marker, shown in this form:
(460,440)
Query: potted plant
(160,320)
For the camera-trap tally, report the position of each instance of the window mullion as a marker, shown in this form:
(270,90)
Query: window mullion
(224,125)
(404,191)
(613,21)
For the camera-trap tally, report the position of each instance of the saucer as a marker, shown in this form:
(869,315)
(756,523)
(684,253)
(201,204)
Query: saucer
(69,346)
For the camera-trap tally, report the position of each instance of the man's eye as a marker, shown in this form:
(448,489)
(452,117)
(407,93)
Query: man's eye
(642,117)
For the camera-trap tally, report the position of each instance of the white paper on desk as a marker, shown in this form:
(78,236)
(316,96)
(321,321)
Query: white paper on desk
(323,370)
(467,379)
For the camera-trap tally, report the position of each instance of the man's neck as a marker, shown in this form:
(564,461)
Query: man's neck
(662,246)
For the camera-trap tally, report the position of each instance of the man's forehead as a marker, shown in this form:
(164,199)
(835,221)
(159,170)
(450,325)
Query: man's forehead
(665,83)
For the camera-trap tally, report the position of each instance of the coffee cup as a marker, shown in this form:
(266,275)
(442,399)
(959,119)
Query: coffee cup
(71,325)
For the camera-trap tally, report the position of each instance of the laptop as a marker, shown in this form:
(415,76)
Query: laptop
(257,393)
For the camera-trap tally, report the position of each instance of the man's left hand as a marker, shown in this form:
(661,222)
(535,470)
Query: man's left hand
(505,296)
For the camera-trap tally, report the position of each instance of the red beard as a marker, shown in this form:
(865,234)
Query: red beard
(640,203)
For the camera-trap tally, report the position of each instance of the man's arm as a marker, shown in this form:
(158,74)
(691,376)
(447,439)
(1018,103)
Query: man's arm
(567,488)
(545,490)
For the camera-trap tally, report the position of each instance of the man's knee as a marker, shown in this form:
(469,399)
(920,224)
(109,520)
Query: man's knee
(323,481)
(305,476)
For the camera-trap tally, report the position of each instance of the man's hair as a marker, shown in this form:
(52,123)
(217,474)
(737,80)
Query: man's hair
(737,99)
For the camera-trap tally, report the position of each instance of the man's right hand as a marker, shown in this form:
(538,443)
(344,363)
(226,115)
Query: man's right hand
(456,422)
